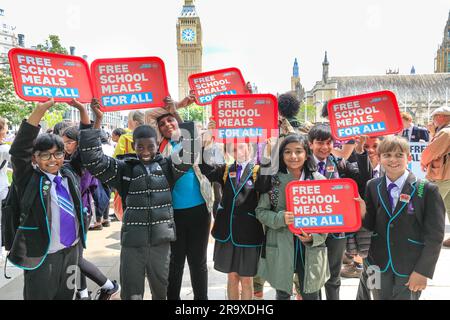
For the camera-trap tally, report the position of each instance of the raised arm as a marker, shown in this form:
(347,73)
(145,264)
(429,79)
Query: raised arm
(22,148)
(108,170)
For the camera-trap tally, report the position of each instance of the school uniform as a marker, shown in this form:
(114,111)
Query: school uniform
(408,222)
(239,235)
(41,246)
(148,224)
(283,254)
(416,134)
(335,168)
(365,237)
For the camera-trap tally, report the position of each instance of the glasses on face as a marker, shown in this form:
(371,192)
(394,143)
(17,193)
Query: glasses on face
(69,142)
(47,155)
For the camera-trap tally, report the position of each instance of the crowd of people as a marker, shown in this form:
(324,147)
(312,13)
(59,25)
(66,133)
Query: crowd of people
(63,180)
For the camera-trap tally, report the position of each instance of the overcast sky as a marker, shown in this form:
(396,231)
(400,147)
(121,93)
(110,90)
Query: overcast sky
(260,37)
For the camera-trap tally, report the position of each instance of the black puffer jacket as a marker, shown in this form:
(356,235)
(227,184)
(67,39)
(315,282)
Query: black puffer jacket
(148,217)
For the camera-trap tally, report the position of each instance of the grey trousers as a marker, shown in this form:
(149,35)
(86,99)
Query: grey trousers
(336,249)
(363,289)
(55,279)
(393,287)
(150,261)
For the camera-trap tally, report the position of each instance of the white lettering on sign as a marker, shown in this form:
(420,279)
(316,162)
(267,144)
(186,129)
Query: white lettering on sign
(40,71)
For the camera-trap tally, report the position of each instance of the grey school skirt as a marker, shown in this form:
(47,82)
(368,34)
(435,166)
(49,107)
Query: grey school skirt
(242,260)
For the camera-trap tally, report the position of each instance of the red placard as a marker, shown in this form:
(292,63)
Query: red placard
(39,75)
(245,118)
(129,83)
(372,114)
(323,206)
(208,85)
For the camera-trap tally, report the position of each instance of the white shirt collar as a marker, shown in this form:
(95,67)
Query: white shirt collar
(52,176)
(302,176)
(317,160)
(243,164)
(400,182)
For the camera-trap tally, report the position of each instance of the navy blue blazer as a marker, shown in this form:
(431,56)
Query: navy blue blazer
(408,238)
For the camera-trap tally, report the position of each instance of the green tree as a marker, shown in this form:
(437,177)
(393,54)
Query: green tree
(310,113)
(11,107)
(15,109)
(193,113)
(52,44)
(52,118)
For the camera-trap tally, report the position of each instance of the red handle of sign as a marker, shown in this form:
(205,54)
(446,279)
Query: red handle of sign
(323,206)
(372,114)
(207,85)
(39,75)
(129,83)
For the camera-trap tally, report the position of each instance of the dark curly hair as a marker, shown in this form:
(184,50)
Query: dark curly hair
(288,105)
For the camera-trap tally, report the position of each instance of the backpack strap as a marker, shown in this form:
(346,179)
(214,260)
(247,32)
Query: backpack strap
(255,172)
(225,173)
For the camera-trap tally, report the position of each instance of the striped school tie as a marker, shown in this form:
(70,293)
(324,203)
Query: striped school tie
(67,229)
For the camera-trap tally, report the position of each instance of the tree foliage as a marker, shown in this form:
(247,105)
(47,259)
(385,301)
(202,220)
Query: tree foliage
(52,44)
(193,113)
(12,107)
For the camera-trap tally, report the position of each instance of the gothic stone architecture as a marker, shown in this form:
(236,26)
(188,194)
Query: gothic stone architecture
(418,94)
(442,61)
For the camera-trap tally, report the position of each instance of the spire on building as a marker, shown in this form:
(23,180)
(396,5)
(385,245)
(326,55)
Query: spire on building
(325,67)
(188,9)
(295,72)
(325,60)
(413,70)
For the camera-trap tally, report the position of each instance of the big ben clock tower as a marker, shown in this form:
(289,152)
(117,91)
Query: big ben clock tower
(189,45)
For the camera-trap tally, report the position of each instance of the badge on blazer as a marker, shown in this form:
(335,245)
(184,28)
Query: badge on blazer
(249,183)
(232,174)
(405,198)
(330,169)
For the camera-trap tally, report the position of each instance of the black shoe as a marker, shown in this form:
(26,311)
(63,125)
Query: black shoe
(111,294)
(106,224)
(96,227)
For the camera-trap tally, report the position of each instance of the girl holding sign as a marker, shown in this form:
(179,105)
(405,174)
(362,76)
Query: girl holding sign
(239,235)
(284,254)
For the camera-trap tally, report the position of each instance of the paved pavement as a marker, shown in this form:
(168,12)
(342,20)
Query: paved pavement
(104,250)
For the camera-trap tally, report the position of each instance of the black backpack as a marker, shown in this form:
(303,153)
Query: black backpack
(10,216)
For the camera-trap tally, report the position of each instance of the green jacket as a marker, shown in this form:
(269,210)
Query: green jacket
(278,266)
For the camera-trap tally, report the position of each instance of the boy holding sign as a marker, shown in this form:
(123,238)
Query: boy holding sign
(321,144)
(407,216)
(53,221)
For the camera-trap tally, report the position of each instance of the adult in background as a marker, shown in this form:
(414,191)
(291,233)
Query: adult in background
(192,204)
(436,157)
(411,132)
(4,160)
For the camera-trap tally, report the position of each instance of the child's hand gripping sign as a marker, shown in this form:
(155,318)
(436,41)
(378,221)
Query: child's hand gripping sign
(323,206)
(245,118)
(39,76)
(372,114)
(129,83)
(206,86)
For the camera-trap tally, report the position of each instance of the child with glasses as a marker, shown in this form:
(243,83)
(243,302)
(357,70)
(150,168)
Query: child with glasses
(52,218)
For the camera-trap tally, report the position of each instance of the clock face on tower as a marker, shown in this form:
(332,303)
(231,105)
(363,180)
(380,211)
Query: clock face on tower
(188,35)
